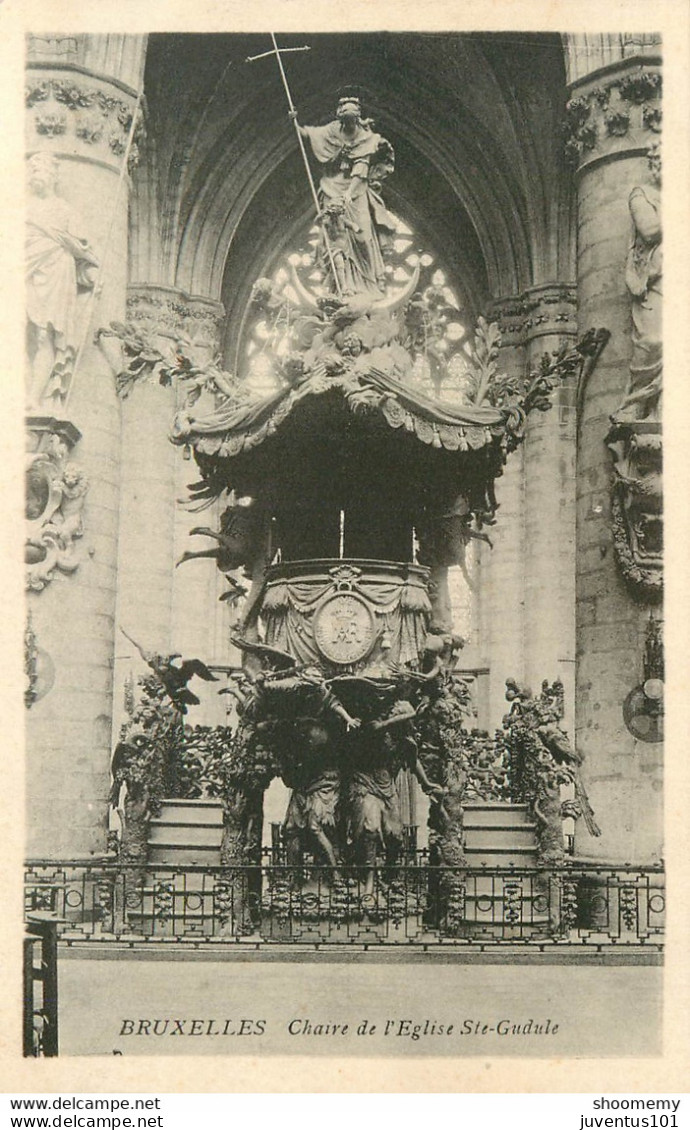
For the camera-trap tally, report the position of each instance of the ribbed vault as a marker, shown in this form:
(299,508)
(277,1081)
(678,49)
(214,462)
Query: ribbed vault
(474,119)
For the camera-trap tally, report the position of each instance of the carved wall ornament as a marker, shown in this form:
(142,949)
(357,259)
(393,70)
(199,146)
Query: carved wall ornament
(540,310)
(88,111)
(635,438)
(71,95)
(643,709)
(117,143)
(52,46)
(56,488)
(36,92)
(637,506)
(617,124)
(169,337)
(90,128)
(652,116)
(30,664)
(344,628)
(640,87)
(51,125)
(39,668)
(200,320)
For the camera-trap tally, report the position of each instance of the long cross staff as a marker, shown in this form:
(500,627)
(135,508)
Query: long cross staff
(279,52)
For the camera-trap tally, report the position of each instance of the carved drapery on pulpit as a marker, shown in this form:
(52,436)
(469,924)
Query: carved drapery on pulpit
(358,616)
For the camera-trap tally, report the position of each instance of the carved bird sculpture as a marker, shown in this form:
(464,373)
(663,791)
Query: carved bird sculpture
(175,678)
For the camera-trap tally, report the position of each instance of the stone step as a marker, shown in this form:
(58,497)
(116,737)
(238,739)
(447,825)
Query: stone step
(190,831)
(183,855)
(500,838)
(501,857)
(186,832)
(190,812)
(204,835)
(496,814)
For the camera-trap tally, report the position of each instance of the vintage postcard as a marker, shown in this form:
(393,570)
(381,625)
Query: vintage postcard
(346,660)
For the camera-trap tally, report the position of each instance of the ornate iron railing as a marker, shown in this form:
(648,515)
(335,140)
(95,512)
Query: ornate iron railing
(413,903)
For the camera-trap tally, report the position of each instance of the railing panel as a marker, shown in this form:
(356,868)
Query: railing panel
(407,903)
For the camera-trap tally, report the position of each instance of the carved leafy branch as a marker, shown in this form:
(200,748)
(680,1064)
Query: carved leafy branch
(487,341)
(146,360)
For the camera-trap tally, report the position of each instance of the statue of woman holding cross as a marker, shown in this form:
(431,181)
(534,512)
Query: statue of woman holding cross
(356,226)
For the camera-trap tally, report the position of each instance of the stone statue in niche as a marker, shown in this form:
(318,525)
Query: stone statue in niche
(635,440)
(59,268)
(357,225)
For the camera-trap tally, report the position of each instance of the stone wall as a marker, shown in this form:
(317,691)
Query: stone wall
(623,775)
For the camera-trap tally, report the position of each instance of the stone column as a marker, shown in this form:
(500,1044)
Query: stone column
(165,609)
(80,114)
(549,502)
(614,115)
(502,567)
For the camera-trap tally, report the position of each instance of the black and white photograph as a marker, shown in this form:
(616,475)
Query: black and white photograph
(343,551)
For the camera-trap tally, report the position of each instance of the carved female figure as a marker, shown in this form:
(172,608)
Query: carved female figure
(58,264)
(643,278)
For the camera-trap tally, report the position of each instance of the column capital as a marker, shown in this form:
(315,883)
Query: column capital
(539,311)
(550,309)
(614,112)
(509,314)
(79,115)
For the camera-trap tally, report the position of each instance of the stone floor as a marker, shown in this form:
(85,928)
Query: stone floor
(215,1006)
